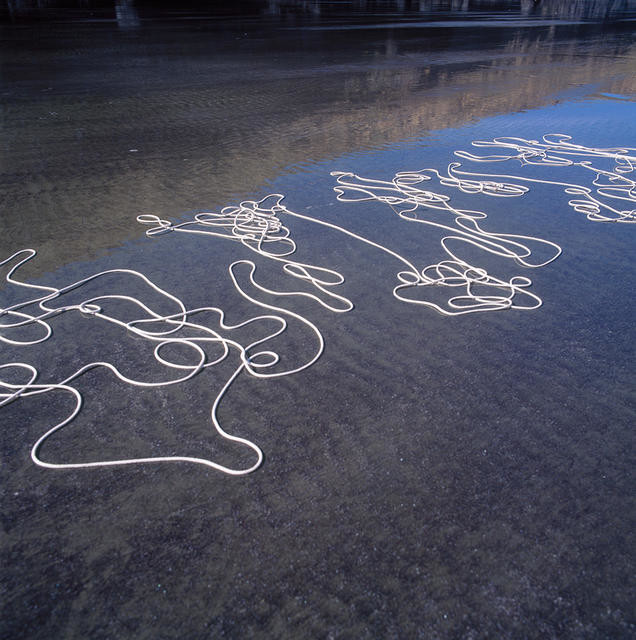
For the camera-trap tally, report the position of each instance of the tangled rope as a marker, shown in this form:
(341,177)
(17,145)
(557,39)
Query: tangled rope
(407,199)
(39,312)
(257,225)
(554,151)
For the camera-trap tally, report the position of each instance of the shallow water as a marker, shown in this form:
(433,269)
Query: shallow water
(428,476)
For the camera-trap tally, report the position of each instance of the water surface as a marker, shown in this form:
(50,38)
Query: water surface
(429,476)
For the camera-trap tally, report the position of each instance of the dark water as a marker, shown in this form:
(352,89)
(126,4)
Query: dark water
(429,477)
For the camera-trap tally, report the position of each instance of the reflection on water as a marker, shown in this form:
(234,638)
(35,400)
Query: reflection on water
(103,123)
(126,14)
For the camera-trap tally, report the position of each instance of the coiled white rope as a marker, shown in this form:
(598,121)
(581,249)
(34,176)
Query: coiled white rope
(405,196)
(555,150)
(197,336)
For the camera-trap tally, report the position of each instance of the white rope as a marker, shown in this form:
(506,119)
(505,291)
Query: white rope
(556,151)
(405,196)
(255,363)
(257,225)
